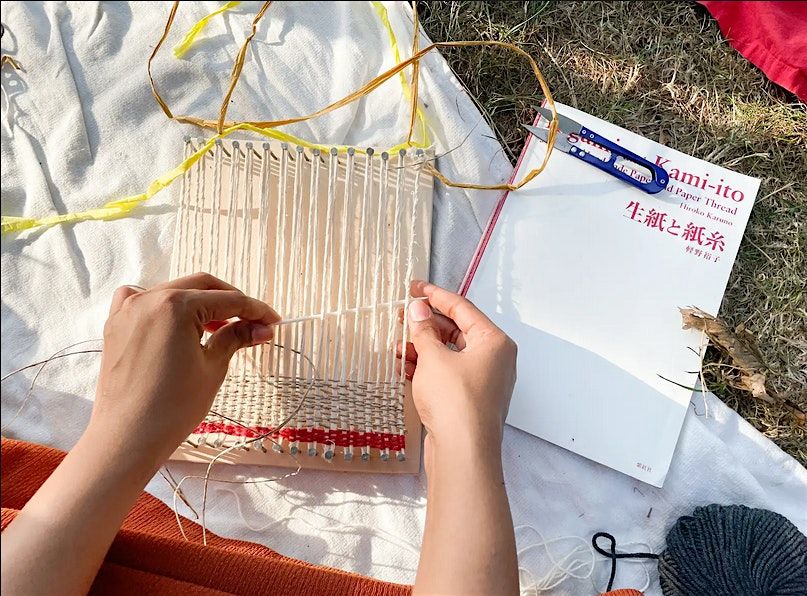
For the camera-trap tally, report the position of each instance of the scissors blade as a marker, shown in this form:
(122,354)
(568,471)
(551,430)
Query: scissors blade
(565,124)
(565,127)
(543,133)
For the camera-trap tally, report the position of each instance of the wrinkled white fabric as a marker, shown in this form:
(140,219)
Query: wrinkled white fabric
(79,127)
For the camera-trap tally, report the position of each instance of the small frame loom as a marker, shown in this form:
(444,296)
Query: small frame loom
(332,240)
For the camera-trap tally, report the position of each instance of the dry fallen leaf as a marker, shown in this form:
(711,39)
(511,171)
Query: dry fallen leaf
(740,347)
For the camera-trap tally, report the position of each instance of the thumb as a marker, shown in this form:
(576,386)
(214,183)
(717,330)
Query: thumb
(423,327)
(236,335)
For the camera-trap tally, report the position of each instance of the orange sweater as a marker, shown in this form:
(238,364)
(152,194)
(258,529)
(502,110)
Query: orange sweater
(149,555)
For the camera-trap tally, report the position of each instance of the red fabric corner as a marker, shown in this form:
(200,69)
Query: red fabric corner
(770,35)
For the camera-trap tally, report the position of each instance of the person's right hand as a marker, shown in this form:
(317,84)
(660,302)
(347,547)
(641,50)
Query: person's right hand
(461,395)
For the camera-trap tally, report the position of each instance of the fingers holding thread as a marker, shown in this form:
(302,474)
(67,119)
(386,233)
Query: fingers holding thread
(236,335)
(467,317)
(449,332)
(424,329)
(220,305)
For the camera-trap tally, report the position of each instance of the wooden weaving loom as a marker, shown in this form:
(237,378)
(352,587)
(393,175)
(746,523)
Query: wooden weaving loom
(331,239)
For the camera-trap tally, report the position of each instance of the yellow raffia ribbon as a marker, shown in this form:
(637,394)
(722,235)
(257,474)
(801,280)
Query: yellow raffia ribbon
(383,15)
(122,207)
(183,46)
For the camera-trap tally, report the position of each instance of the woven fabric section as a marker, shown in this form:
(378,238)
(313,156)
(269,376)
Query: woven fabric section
(340,413)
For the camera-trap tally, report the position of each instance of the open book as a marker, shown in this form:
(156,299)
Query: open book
(587,273)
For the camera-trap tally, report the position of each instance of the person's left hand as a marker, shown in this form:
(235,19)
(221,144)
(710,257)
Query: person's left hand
(157,380)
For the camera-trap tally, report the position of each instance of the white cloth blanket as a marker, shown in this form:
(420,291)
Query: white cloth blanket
(79,127)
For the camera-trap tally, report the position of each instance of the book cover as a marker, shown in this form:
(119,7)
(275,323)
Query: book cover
(587,274)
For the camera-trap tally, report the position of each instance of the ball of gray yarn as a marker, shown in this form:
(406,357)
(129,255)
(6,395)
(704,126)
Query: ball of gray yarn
(734,551)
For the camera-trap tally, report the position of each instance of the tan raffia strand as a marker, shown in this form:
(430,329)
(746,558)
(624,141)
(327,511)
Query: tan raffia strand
(122,207)
(221,123)
(6,59)
(238,66)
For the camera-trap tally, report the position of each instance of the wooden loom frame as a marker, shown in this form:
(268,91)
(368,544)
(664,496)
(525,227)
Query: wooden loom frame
(273,199)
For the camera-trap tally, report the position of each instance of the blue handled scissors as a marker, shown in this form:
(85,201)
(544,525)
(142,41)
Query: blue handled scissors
(567,127)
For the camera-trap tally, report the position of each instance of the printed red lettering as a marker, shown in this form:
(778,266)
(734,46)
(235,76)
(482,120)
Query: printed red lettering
(704,181)
(661,161)
(690,179)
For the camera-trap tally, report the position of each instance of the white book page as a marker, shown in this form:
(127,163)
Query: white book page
(588,273)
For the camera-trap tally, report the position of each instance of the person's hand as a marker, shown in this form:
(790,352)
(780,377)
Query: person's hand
(157,380)
(460,395)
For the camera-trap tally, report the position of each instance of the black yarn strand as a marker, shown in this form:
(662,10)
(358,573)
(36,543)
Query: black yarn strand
(613,555)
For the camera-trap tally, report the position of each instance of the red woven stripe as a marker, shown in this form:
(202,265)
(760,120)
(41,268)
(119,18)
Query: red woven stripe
(340,437)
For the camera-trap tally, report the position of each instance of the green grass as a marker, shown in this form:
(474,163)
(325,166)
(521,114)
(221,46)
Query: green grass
(662,69)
